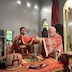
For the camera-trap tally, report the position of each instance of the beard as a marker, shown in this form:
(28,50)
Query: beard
(22,33)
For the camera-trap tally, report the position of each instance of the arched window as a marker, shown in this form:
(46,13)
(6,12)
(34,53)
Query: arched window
(45,24)
(44,28)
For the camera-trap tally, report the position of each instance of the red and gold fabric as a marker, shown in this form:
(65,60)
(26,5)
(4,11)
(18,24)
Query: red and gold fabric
(52,45)
(53,65)
(22,41)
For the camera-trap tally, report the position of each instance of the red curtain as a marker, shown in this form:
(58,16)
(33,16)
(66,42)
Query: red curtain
(55,12)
